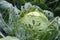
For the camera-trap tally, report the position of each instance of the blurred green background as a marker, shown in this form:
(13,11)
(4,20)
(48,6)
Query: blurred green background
(52,5)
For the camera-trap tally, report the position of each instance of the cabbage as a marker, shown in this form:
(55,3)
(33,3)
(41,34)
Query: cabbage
(35,19)
(36,27)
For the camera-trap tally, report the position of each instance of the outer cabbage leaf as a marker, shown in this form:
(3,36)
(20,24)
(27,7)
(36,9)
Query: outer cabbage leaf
(9,38)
